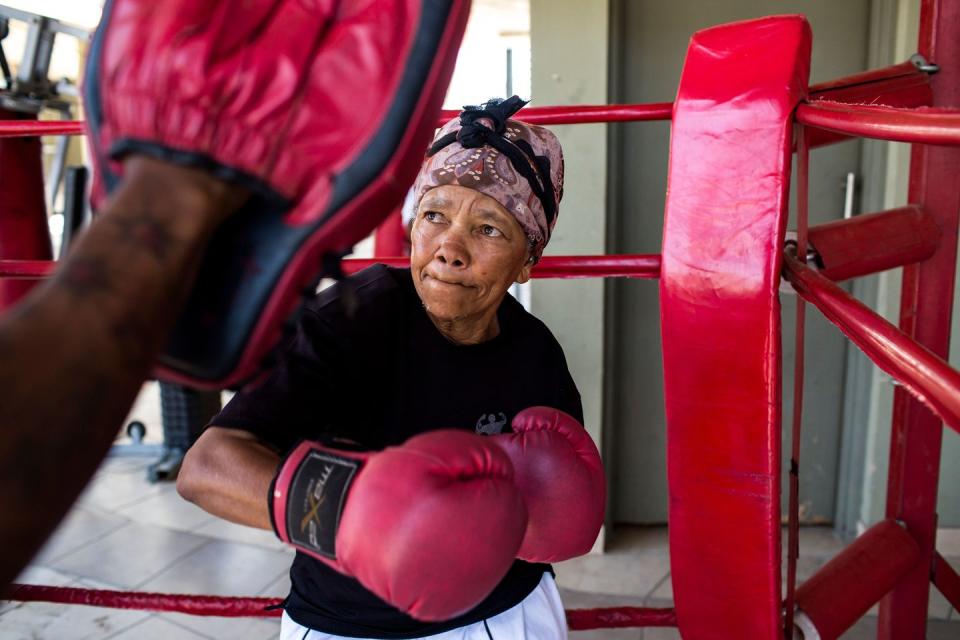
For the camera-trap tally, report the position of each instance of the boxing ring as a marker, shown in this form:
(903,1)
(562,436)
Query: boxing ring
(736,127)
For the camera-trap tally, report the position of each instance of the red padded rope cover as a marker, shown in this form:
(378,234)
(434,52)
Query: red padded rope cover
(842,591)
(720,316)
(920,371)
(927,125)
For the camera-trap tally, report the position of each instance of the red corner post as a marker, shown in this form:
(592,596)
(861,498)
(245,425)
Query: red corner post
(925,311)
(726,212)
(24,234)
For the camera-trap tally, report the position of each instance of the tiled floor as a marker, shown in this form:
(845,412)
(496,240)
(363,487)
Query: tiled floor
(127,534)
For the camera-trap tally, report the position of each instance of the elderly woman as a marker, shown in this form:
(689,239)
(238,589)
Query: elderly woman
(392,353)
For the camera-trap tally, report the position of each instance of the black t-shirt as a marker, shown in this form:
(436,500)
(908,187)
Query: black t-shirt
(379,375)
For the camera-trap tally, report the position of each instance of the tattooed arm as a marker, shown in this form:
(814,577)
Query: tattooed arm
(74,354)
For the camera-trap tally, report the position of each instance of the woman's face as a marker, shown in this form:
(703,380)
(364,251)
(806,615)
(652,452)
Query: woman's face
(466,251)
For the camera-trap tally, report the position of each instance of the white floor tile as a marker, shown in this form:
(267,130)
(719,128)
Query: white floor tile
(225,530)
(56,621)
(232,628)
(279,588)
(948,542)
(82,526)
(223,568)
(156,628)
(635,561)
(111,491)
(37,574)
(130,555)
(169,510)
(939,607)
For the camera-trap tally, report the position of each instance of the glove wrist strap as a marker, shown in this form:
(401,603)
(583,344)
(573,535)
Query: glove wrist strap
(309,495)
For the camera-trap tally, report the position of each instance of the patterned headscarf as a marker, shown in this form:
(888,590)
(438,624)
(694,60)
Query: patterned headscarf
(517,164)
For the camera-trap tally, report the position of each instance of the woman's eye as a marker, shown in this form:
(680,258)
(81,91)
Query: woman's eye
(490,231)
(432,216)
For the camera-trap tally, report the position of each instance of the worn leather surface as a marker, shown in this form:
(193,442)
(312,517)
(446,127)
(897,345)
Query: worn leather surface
(726,211)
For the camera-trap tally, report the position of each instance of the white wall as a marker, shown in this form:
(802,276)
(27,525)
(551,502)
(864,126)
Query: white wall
(567,72)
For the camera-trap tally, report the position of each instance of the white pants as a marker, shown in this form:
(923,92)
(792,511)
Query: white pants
(539,616)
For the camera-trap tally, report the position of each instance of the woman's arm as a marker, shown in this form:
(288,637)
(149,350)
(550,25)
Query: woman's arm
(227,472)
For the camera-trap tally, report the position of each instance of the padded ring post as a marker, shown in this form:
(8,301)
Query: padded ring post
(725,220)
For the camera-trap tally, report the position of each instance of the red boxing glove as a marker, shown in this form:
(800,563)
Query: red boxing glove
(322,109)
(558,470)
(430,526)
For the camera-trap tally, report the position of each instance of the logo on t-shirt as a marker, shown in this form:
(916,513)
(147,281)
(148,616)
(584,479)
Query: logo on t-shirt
(491,424)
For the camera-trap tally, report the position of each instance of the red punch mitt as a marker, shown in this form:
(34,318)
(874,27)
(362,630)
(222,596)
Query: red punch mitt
(431,526)
(321,108)
(559,473)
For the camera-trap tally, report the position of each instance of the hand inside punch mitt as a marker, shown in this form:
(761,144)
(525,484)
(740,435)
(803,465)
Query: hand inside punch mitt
(321,109)
(430,526)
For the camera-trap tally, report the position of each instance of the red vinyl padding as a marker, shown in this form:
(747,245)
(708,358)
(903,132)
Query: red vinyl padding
(726,212)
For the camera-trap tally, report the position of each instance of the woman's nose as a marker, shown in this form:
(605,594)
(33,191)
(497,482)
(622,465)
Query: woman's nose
(452,251)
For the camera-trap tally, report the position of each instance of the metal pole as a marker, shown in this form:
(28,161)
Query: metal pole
(74,206)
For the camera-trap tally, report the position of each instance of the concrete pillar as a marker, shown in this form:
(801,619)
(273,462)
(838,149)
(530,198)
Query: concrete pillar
(569,56)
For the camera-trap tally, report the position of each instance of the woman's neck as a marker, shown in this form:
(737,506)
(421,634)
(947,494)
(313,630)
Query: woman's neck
(467,330)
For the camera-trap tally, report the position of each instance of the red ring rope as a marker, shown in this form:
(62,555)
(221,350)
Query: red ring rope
(620,617)
(921,372)
(243,607)
(24,128)
(584,114)
(197,605)
(921,125)
(616,266)
(924,125)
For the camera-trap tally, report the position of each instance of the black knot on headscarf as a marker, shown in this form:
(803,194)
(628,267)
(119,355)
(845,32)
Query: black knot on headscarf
(474,134)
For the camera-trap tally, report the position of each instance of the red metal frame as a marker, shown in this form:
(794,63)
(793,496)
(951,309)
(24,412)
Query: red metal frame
(902,85)
(925,312)
(869,86)
(26,269)
(946,579)
(874,242)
